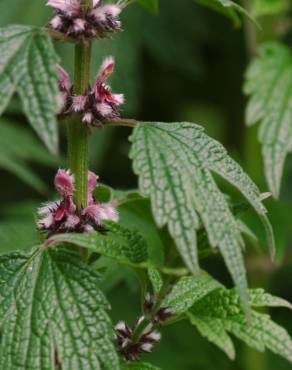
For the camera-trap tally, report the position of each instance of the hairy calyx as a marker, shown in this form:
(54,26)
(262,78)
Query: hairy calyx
(63,216)
(131,343)
(73,20)
(98,104)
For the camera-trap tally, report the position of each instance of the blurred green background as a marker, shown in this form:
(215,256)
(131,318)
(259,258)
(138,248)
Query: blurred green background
(186,63)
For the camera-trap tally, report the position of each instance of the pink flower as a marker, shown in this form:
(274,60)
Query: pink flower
(79,25)
(56,22)
(65,87)
(96,3)
(64,183)
(101,212)
(106,16)
(78,104)
(105,110)
(98,104)
(92,183)
(68,7)
(65,83)
(74,21)
(100,89)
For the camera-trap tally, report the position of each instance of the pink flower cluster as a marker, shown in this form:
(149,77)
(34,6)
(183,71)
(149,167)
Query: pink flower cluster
(98,104)
(62,215)
(74,21)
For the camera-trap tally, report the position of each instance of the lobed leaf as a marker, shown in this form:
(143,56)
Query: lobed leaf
(220,313)
(27,66)
(268,83)
(52,312)
(124,245)
(175,162)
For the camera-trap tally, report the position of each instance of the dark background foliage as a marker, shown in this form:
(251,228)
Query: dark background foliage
(184,64)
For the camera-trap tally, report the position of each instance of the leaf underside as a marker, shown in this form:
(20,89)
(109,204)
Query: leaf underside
(269,85)
(52,312)
(219,314)
(175,163)
(27,66)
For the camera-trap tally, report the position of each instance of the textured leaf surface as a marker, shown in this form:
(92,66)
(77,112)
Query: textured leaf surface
(27,66)
(229,8)
(220,313)
(17,147)
(52,311)
(155,279)
(269,84)
(119,243)
(175,162)
(188,290)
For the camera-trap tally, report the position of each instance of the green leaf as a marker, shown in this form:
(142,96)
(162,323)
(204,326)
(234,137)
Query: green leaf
(17,147)
(151,5)
(259,298)
(51,309)
(137,213)
(124,245)
(155,279)
(188,290)
(27,66)
(268,82)
(230,9)
(175,162)
(220,313)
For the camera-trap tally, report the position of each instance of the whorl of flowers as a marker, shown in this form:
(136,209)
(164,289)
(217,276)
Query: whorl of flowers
(128,344)
(62,215)
(73,20)
(98,104)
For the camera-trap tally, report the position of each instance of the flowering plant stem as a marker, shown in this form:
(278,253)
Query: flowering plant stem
(77,132)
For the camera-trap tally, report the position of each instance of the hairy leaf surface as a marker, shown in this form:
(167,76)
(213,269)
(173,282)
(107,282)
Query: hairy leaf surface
(52,311)
(188,290)
(220,313)
(269,85)
(27,66)
(175,162)
(119,243)
(155,279)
